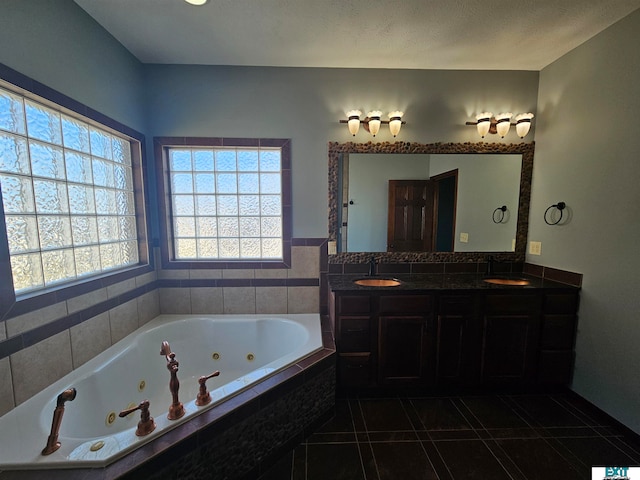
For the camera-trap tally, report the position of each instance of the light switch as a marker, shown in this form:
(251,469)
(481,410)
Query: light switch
(464,237)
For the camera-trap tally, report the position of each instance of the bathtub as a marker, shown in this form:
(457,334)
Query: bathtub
(246,349)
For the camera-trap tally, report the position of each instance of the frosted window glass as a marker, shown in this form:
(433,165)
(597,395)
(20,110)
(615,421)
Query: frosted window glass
(269,160)
(43,123)
(218,200)
(17,194)
(271,248)
(100,144)
(81,200)
(22,231)
(247,161)
(226,160)
(50,196)
(250,248)
(180,160)
(78,167)
(27,272)
(58,265)
(227,205)
(11,112)
(14,156)
(49,164)
(75,134)
(203,160)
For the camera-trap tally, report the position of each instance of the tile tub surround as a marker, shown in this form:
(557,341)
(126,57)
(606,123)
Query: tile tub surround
(243,436)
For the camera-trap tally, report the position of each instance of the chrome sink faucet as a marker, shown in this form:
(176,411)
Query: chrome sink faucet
(176,410)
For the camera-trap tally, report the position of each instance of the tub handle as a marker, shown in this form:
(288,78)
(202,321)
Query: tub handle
(146,425)
(204,398)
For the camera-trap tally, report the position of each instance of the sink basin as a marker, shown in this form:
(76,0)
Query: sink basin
(507,281)
(377,282)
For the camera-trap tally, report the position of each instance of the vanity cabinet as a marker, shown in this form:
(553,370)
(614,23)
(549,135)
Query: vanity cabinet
(557,338)
(510,336)
(405,340)
(499,338)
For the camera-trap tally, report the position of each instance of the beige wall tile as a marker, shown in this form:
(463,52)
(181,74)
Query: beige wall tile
(238,273)
(206,273)
(207,300)
(148,307)
(146,278)
(305,262)
(173,274)
(271,299)
(175,300)
(123,320)
(6,392)
(90,338)
(303,299)
(86,300)
(271,273)
(37,318)
(38,366)
(239,299)
(121,287)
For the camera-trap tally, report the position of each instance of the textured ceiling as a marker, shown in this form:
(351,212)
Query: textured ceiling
(415,34)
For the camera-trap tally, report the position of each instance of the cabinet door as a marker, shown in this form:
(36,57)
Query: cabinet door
(403,350)
(509,349)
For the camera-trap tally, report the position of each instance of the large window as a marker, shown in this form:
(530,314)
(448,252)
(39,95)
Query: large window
(68,194)
(226,203)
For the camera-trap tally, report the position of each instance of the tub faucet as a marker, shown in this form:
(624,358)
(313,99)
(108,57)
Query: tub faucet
(176,410)
(204,398)
(146,425)
(52,442)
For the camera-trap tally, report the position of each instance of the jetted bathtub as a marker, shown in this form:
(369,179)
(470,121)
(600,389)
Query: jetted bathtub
(244,348)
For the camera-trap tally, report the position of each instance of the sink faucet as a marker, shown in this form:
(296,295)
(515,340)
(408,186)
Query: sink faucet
(490,261)
(176,410)
(52,442)
(372,266)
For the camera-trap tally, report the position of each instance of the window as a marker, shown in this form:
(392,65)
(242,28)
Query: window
(226,203)
(68,194)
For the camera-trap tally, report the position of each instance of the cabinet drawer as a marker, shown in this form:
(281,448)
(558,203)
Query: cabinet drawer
(558,332)
(456,304)
(354,370)
(560,303)
(406,304)
(512,304)
(354,304)
(355,334)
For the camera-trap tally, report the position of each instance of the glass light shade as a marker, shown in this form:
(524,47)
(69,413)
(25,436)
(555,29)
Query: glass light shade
(395,122)
(503,122)
(523,124)
(196,2)
(354,121)
(374,122)
(484,123)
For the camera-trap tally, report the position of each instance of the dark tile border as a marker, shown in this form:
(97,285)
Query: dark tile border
(555,274)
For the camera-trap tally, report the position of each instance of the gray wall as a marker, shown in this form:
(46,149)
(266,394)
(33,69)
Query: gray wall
(587,146)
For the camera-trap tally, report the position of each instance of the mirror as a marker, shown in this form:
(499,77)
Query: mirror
(488,177)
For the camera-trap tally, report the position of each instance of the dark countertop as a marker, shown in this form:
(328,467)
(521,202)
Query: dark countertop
(457,281)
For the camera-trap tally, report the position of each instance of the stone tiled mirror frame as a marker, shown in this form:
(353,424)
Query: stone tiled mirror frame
(338,150)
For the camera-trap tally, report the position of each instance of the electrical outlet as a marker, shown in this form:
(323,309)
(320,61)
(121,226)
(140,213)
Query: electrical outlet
(332,249)
(464,237)
(535,248)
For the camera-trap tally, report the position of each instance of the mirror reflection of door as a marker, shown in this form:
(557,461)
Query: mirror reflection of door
(445,205)
(410,216)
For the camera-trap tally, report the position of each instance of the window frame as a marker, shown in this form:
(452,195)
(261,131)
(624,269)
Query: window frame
(161,147)
(11,304)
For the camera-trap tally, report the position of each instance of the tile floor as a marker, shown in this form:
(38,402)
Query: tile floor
(493,437)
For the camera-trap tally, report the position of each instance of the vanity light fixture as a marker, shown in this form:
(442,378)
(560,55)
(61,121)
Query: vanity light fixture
(500,124)
(372,122)
(196,2)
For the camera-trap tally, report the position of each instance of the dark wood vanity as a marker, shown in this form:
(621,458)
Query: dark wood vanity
(453,331)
